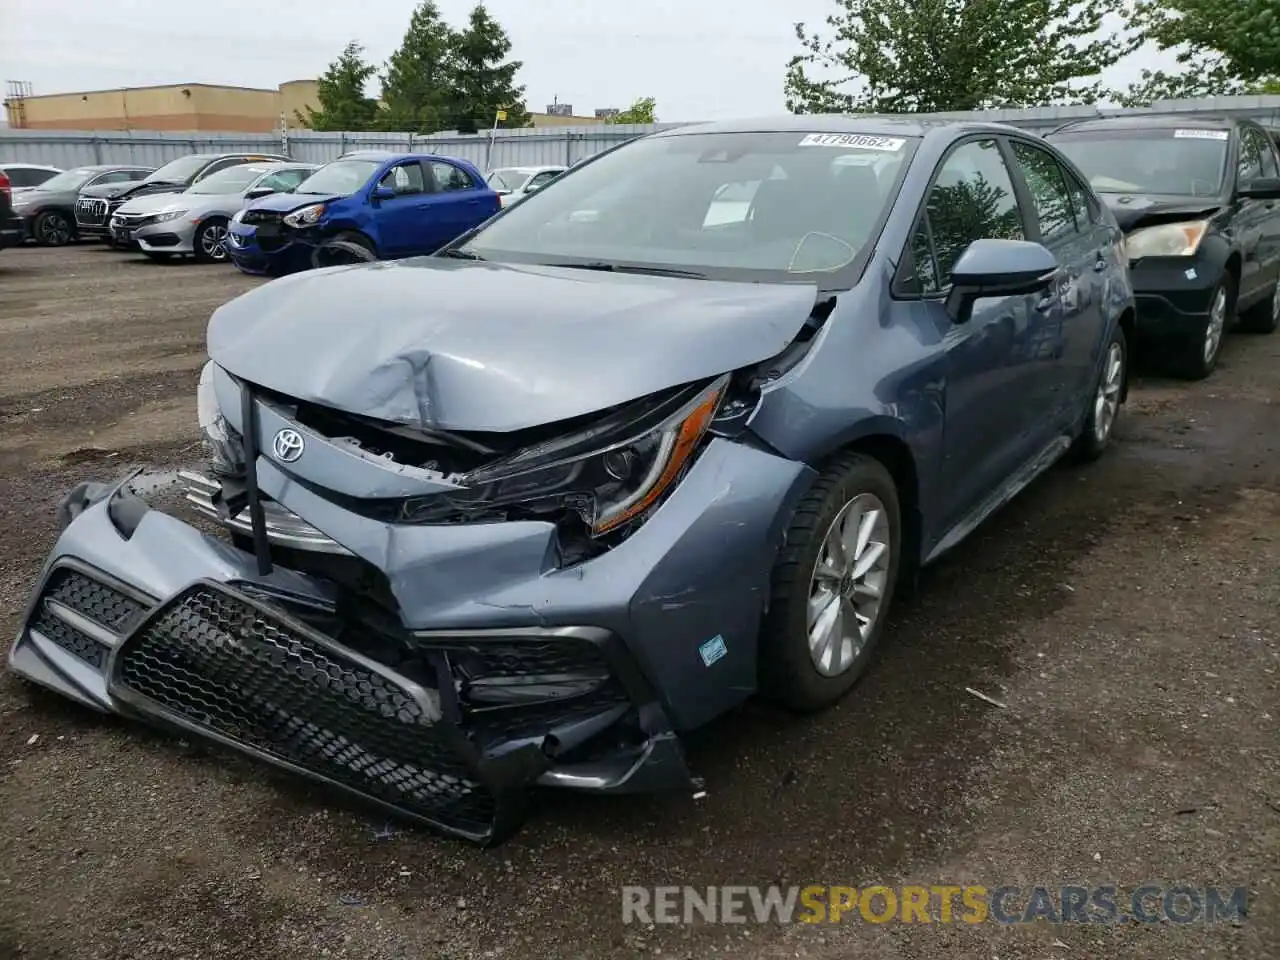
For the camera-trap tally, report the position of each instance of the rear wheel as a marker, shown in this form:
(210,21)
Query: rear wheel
(210,242)
(832,585)
(1196,358)
(1265,317)
(52,229)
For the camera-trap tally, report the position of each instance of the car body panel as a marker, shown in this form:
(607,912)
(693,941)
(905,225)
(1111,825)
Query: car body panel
(503,366)
(399,226)
(976,405)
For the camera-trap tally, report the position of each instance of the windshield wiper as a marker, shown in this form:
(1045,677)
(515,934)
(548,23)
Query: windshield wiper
(457,253)
(606,267)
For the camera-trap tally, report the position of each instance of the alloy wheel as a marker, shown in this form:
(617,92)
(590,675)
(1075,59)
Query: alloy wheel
(54,230)
(1275,306)
(1217,324)
(848,584)
(1107,402)
(213,241)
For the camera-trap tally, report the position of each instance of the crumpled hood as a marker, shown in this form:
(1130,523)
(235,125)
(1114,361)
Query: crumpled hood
(479,346)
(130,188)
(1133,210)
(288,202)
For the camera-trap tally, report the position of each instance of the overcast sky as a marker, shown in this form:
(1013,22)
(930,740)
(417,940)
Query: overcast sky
(709,59)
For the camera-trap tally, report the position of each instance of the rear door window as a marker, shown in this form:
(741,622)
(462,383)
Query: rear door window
(1047,184)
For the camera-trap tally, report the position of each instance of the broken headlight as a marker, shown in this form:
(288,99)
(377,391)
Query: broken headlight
(608,474)
(221,442)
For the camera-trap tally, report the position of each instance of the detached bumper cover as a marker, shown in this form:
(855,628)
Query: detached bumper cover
(583,684)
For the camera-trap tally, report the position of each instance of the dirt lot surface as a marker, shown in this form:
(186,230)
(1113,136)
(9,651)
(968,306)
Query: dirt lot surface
(1126,616)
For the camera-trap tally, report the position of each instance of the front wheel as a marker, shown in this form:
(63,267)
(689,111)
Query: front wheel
(1197,357)
(832,585)
(210,242)
(1104,406)
(52,229)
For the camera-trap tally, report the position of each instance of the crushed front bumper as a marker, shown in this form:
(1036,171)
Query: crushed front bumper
(141,614)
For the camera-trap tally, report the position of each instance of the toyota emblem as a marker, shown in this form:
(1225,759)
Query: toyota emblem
(287,445)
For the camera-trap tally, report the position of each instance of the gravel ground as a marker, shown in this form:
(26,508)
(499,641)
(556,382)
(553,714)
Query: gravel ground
(1124,614)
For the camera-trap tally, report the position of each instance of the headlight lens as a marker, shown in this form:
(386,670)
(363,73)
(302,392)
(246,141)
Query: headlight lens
(306,216)
(221,442)
(167,216)
(610,485)
(1167,240)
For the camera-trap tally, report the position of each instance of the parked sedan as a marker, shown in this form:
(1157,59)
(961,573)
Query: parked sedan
(195,221)
(1196,198)
(49,210)
(97,203)
(513,184)
(377,205)
(526,510)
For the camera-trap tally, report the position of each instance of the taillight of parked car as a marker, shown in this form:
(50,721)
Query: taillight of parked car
(5,188)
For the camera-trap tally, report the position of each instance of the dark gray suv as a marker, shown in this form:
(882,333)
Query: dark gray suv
(49,210)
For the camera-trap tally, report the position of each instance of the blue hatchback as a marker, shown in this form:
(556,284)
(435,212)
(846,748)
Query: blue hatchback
(382,205)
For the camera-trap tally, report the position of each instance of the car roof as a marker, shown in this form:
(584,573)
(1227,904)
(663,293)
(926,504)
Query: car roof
(28,166)
(1162,122)
(874,124)
(531,168)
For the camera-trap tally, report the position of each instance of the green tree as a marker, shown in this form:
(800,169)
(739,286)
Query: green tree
(937,55)
(1223,47)
(343,104)
(417,87)
(482,79)
(641,111)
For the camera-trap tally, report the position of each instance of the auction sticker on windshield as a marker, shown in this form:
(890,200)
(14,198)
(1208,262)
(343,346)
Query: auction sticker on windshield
(1201,135)
(857,140)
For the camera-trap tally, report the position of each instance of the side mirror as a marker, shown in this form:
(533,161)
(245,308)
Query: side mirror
(998,268)
(1264,188)
(258,192)
(383,193)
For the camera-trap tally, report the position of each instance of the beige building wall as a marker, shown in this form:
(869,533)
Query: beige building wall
(192,106)
(188,106)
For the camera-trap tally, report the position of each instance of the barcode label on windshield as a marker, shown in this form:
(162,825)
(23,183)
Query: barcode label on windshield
(856,141)
(1201,135)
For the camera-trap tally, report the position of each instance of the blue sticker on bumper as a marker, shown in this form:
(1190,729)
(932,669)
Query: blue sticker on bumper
(712,650)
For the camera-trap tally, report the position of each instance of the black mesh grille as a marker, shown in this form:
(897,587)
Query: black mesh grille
(261,216)
(528,658)
(92,599)
(221,664)
(69,638)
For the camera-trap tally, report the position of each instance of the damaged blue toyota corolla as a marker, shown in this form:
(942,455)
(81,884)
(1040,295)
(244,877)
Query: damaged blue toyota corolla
(666,433)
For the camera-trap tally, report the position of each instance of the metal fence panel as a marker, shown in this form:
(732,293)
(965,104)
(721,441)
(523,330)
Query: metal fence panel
(529,147)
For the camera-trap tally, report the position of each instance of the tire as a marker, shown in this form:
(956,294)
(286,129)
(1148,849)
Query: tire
(1265,317)
(53,229)
(1106,401)
(344,248)
(1196,359)
(789,672)
(209,245)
